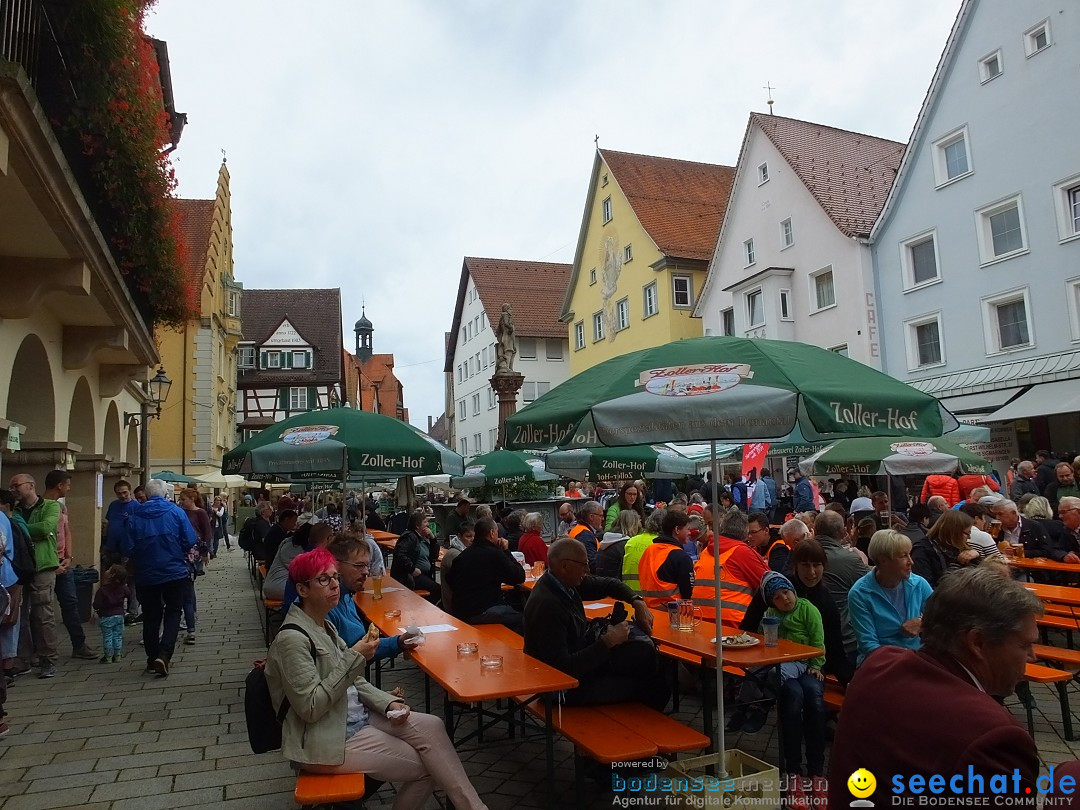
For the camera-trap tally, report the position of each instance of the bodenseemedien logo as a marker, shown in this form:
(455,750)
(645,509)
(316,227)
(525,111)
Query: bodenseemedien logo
(861,784)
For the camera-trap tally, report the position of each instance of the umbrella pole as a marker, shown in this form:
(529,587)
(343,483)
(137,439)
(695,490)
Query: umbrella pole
(719,730)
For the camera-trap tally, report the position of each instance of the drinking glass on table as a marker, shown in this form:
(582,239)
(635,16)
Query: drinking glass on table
(376,587)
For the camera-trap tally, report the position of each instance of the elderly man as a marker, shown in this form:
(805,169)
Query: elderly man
(1016,530)
(791,534)
(159,539)
(1065,484)
(977,629)
(617,666)
(843,569)
(42,518)
(1024,482)
(566,518)
(1069,512)
(588,530)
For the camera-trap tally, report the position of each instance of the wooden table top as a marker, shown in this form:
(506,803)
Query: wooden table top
(699,641)
(382,535)
(1044,564)
(463,678)
(1061,594)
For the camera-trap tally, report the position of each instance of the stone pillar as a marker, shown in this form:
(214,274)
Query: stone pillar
(506,385)
(85,511)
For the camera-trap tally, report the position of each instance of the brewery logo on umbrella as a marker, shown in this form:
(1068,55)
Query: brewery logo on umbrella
(913,448)
(693,381)
(308,434)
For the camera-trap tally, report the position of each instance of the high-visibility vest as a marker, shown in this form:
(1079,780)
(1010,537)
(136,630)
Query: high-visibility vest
(768,553)
(578,528)
(657,592)
(735,594)
(632,552)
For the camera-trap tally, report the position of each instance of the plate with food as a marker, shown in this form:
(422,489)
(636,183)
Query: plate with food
(741,640)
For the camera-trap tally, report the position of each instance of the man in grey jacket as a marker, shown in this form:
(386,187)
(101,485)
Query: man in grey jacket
(842,569)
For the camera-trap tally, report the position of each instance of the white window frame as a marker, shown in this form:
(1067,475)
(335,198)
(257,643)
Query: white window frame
(785,306)
(749,256)
(627,253)
(493,400)
(911,339)
(232,304)
(763,173)
(462,410)
(603,180)
(463,444)
(984,66)
(1072,291)
(787,233)
(476,404)
(941,170)
(554,357)
(908,264)
(991,330)
(1030,36)
(622,314)
(985,236)
(579,336)
(478,440)
(273,359)
(812,279)
(530,390)
(245,357)
(532,350)
(675,279)
(305,358)
(724,312)
(298,398)
(592,276)
(1068,219)
(605,210)
(650,300)
(598,326)
(760,293)
(493,437)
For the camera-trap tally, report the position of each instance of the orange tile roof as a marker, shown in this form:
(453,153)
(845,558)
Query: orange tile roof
(680,203)
(848,173)
(195,219)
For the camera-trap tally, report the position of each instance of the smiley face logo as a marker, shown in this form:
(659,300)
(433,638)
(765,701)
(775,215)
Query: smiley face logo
(861,783)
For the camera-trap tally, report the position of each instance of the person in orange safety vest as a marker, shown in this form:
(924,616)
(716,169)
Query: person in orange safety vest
(740,576)
(666,571)
(588,529)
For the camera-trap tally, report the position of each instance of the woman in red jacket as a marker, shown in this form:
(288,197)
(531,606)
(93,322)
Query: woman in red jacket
(531,544)
(943,485)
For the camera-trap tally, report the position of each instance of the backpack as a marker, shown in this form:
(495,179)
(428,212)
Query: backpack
(23,561)
(247,534)
(263,721)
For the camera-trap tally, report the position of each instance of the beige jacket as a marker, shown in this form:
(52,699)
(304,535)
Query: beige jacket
(314,729)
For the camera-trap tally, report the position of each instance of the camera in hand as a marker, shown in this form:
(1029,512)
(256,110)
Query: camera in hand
(618,615)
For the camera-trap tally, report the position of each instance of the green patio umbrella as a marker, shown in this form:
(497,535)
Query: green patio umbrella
(501,467)
(642,460)
(340,442)
(725,388)
(893,456)
(170,477)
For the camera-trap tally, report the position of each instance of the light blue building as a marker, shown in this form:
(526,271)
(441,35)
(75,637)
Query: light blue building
(977,251)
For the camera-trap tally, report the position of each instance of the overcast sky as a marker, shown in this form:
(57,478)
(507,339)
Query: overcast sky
(374,145)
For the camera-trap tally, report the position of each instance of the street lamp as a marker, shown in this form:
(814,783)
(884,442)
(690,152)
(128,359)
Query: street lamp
(157,391)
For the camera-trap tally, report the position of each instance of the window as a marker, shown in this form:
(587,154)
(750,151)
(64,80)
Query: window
(298,399)
(463,443)
(493,437)
(990,67)
(476,404)
(478,445)
(300,359)
(592,276)
(923,338)
(727,322)
(918,258)
(233,303)
(553,349)
(273,360)
(493,400)
(247,357)
(527,348)
(468,331)
(622,314)
(1006,321)
(682,292)
(606,207)
(649,300)
(603,180)
(748,252)
(534,390)
(1072,289)
(785,305)
(628,254)
(579,335)
(484,357)
(763,173)
(483,320)
(1001,230)
(787,235)
(461,412)
(464,335)
(755,309)
(1037,38)
(598,326)
(824,295)
(952,157)
(1067,203)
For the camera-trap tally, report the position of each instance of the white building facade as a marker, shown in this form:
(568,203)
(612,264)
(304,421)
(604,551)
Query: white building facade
(977,252)
(793,259)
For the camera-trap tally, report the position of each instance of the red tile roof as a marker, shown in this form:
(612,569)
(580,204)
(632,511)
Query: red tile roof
(680,203)
(315,314)
(848,173)
(195,219)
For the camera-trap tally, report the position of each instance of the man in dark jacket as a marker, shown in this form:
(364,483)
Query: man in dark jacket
(1044,470)
(159,539)
(804,493)
(477,577)
(278,534)
(588,530)
(618,666)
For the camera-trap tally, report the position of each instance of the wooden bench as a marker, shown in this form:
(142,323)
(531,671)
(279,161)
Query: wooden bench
(328,788)
(834,695)
(1050,621)
(270,607)
(1036,673)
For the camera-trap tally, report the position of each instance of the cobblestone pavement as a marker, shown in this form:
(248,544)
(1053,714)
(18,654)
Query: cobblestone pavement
(107,736)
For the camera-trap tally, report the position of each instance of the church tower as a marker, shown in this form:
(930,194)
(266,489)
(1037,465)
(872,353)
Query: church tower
(363,330)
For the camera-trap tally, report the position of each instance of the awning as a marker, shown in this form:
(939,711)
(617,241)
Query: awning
(1041,400)
(979,403)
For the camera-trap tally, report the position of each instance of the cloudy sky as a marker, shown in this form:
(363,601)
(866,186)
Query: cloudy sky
(373,145)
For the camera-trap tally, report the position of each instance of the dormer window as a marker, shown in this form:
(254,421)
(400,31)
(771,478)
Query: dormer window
(271,359)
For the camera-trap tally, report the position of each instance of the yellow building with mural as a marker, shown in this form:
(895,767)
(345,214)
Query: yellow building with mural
(649,229)
(198,427)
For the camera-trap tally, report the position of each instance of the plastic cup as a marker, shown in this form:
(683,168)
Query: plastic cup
(770,629)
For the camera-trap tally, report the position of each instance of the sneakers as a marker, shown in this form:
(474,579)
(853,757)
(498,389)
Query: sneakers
(116,659)
(48,670)
(161,667)
(85,652)
(189,638)
(104,659)
(130,619)
(796,796)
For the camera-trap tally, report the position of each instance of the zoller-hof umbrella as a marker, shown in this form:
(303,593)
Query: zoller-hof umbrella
(894,456)
(727,389)
(501,467)
(639,461)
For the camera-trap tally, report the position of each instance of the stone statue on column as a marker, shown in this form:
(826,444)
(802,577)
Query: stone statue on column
(506,382)
(505,341)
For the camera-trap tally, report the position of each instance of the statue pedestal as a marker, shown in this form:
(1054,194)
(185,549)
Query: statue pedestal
(506,385)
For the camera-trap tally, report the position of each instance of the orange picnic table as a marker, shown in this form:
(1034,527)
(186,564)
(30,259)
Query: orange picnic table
(1043,564)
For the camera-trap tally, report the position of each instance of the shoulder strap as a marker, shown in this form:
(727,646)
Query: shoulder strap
(284,710)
